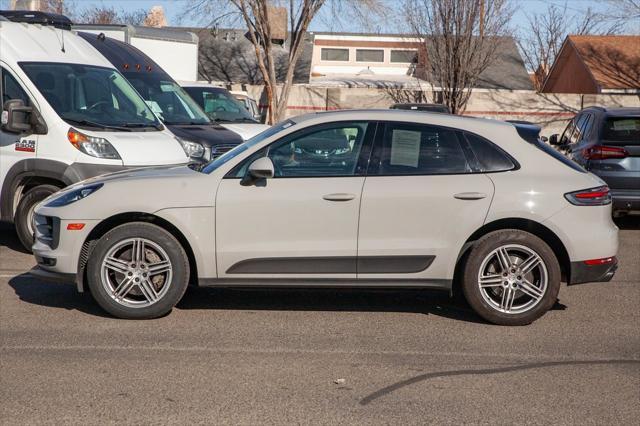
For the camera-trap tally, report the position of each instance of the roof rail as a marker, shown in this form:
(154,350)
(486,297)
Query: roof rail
(35,17)
(601,108)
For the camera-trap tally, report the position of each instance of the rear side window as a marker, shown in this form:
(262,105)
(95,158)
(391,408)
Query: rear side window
(414,149)
(490,157)
(622,129)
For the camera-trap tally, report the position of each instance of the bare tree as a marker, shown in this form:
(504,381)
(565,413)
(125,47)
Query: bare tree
(110,15)
(545,32)
(257,17)
(461,38)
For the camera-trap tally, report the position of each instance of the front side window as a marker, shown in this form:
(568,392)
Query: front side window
(416,149)
(329,54)
(220,105)
(332,151)
(90,96)
(11,89)
(369,55)
(168,100)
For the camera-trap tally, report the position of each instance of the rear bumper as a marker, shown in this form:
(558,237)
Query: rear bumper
(625,199)
(582,273)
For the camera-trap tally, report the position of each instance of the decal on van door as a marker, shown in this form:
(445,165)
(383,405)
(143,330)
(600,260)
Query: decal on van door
(26,145)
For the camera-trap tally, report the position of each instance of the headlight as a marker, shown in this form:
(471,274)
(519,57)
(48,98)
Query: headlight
(73,195)
(91,145)
(192,149)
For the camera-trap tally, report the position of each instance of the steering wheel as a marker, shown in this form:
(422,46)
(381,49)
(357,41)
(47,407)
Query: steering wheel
(95,105)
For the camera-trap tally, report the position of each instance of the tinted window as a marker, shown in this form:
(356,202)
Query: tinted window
(168,100)
(412,149)
(367,55)
(332,151)
(11,89)
(327,54)
(490,157)
(622,129)
(404,56)
(220,105)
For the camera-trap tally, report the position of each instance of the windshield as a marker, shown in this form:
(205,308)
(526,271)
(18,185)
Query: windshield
(90,96)
(220,105)
(224,158)
(622,129)
(172,104)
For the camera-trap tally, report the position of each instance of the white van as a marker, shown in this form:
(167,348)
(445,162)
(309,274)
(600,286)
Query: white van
(67,115)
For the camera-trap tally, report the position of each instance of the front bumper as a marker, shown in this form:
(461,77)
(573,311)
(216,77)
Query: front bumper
(57,277)
(582,273)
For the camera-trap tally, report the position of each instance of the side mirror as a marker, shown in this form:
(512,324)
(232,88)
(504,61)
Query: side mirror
(544,138)
(16,117)
(262,168)
(553,139)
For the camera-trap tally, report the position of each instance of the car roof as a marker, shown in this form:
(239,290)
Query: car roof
(199,84)
(617,111)
(121,54)
(426,117)
(23,42)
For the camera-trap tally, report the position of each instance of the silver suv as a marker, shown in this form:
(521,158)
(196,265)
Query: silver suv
(342,199)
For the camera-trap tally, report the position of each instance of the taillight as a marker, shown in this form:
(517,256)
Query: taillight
(603,152)
(590,197)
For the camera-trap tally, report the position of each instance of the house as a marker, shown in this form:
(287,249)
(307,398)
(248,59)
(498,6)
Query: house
(591,64)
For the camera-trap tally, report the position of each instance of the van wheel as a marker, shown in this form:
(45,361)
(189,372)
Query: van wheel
(24,213)
(511,277)
(138,271)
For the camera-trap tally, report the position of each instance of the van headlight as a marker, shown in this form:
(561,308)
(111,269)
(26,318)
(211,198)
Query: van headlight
(71,196)
(92,145)
(192,149)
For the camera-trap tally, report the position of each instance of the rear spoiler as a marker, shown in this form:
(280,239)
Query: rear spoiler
(528,132)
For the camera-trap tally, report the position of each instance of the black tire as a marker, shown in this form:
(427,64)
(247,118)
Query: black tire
(176,255)
(26,205)
(483,248)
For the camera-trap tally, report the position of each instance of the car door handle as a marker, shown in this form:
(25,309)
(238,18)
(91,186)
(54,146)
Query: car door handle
(339,196)
(470,195)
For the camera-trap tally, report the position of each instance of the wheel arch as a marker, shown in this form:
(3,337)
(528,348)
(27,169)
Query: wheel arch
(129,217)
(527,225)
(25,175)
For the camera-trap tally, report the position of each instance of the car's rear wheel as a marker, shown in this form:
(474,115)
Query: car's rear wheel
(23,218)
(138,271)
(511,277)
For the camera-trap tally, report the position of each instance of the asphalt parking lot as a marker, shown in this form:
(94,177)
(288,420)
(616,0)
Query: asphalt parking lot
(286,356)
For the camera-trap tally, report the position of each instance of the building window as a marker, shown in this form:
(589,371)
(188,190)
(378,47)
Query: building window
(327,54)
(368,55)
(404,56)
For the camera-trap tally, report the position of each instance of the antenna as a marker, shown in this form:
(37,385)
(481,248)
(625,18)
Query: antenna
(62,47)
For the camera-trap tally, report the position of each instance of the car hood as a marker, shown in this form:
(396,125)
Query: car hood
(145,148)
(246,130)
(206,134)
(145,190)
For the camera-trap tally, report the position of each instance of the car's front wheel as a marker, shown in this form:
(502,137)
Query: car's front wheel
(511,277)
(138,271)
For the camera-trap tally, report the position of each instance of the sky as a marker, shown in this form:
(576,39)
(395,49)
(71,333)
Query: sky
(175,8)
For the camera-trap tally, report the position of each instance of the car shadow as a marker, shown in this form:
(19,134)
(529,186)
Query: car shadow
(32,290)
(628,222)
(52,295)
(9,238)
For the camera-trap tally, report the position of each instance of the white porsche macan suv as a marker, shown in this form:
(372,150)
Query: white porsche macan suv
(341,199)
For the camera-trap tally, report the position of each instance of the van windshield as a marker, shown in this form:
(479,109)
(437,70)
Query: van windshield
(220,105)
(172,104)
(91,96)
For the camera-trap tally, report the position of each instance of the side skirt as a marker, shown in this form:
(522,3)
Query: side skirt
(436,284)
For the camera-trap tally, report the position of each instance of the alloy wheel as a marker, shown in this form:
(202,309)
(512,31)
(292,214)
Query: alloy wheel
(136,272)
(513,279)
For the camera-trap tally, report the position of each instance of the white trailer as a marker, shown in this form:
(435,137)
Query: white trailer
(174,50)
